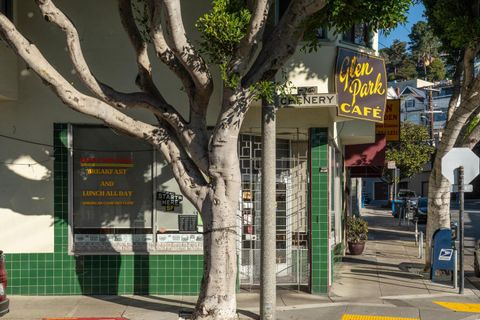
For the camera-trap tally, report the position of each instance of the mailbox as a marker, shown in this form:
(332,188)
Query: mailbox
(443,255)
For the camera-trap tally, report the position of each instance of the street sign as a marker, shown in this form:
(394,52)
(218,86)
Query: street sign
(466,188)
(458,157)
(391,165)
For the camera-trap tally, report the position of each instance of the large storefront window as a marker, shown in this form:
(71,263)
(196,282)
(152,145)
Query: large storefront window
(124,197)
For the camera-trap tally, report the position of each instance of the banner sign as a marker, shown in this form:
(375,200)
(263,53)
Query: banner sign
(361,84)
(391,125)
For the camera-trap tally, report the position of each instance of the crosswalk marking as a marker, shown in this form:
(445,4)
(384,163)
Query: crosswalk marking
(369,317)
(460,307)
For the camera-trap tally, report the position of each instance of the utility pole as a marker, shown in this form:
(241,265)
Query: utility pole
(268,267)
(430,108)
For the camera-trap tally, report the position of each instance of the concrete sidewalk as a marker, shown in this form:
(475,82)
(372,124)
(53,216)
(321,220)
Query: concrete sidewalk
(387,280)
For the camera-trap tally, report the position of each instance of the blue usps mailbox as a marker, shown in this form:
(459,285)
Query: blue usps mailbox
(442,251)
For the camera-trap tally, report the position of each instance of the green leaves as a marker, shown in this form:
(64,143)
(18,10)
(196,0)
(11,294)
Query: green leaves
(357,229)
(222,29)
(413,150)
(457,23)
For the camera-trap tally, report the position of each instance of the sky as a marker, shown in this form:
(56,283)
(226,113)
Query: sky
(401,33)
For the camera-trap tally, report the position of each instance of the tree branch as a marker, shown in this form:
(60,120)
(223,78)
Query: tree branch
(289,32)
(468,70)
(457,88)
(163,51)
(157,105)
(247,47)
(97,108)
(471,140)
(152,100)
(144,78)
(184,51)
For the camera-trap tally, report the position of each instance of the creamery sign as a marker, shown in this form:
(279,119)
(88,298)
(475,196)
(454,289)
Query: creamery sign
(307,100)
(361,85)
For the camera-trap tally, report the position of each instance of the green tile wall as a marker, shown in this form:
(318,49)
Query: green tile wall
(58,273)
(318,210)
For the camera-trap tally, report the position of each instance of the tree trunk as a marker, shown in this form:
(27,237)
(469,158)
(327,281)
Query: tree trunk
(439,186)
(217,299)
(438,206)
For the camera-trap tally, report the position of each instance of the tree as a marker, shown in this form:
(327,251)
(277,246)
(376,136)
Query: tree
(457,24)
(408,70)
(394,56)
(424,45)
(205,163)
(436,70)
(413,150)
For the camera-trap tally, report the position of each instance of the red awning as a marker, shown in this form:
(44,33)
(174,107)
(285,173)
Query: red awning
(366,160)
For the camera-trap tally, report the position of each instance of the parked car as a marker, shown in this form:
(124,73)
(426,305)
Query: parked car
(409,196)
(4,302)
(421,210)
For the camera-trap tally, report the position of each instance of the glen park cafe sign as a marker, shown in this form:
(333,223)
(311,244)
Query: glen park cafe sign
(361,86)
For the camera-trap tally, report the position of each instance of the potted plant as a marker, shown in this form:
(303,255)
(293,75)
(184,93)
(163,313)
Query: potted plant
(357,230)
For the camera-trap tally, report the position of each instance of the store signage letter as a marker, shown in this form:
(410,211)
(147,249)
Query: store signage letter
(361,86)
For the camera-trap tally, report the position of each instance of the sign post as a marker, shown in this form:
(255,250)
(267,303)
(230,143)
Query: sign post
(461,194)
(461,166)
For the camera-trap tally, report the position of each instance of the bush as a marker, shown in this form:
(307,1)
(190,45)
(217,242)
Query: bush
(357,229)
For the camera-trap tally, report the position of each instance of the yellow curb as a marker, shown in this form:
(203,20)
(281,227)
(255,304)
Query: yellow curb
(368,317)
(460,307)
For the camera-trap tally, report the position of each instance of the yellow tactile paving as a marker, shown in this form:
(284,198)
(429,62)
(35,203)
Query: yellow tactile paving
(368,317)
(460,307)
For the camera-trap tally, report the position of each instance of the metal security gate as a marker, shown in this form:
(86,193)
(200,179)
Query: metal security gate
(292,209)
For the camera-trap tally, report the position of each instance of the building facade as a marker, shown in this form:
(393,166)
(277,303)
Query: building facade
(90,211)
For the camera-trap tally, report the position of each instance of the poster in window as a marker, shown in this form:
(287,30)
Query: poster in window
(112,180)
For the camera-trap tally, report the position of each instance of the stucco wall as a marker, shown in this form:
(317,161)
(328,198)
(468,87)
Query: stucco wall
(26,190)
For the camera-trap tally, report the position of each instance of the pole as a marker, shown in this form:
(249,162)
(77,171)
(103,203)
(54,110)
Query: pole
(430,108)
(461,195)
(268,270)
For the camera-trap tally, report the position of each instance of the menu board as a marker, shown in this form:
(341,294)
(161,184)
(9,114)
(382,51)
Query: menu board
(112,179)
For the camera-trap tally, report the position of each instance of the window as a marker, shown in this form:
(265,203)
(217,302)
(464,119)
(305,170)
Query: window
(410,104)
(358,34)
(6,7)
(123,197)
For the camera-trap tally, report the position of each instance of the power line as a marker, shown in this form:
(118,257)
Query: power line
(70,148)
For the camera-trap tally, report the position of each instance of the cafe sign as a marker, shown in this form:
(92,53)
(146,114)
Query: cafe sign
(361,84)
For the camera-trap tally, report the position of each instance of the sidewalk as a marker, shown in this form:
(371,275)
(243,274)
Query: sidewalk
(387,280)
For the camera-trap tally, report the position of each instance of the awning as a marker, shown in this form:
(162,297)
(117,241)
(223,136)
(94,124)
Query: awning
(366,160)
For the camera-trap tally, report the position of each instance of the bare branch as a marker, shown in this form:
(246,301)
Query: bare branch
(183,50)
(289,32)
(152,100)
(457,89)
(163,51)
(99,109)
(188,134)
(144,79)
(109,95)
(247,47)
(468,70)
